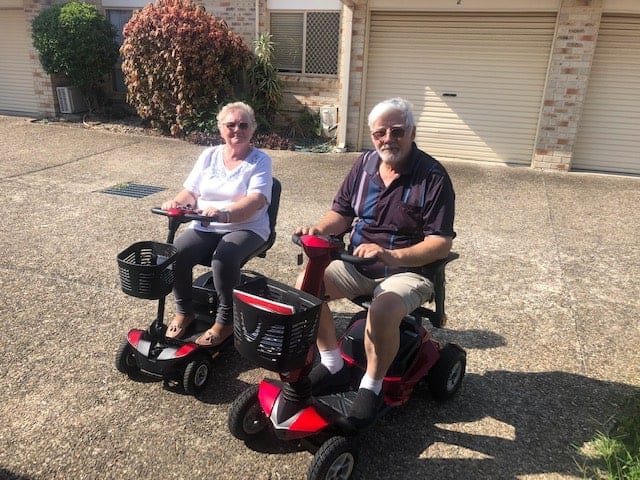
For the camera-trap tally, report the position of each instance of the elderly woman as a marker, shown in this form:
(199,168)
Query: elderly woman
(232,184)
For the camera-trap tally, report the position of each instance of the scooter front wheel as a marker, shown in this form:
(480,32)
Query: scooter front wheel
(335,460)
(246,418)
(126,359)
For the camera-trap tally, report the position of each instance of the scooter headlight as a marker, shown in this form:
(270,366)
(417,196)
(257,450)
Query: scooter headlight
(185,350)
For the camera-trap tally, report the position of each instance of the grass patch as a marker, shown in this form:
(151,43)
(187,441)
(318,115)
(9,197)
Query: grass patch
(615,454)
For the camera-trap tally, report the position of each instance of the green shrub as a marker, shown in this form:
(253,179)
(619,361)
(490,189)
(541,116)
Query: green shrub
(77,41)
(306,125)
(180,64)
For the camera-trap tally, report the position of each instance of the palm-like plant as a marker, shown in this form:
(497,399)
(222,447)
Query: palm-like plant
(266,89)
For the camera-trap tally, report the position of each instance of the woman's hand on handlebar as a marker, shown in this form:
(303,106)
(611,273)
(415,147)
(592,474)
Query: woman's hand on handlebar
(215,214)
(184,199)
(169,204)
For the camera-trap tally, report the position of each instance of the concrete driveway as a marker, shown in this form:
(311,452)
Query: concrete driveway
(545,298)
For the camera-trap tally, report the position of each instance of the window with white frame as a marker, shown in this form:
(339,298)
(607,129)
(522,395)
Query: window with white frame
(306,42)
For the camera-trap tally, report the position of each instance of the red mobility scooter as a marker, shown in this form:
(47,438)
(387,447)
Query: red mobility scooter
(146,271)
(275,327)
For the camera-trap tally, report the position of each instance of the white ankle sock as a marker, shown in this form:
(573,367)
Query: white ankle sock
(371,384)
(332,360)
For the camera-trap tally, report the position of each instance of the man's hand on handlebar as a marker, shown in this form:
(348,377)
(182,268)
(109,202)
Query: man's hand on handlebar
(371,250)
(312,230)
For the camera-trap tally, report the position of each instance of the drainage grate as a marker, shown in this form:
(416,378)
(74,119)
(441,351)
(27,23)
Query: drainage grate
(134,190)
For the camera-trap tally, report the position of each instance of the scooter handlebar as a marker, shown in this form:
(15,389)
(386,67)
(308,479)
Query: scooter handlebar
(184,214)
(347,257)
(338,254)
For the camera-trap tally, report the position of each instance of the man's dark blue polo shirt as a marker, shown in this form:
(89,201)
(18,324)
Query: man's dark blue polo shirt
(420,202)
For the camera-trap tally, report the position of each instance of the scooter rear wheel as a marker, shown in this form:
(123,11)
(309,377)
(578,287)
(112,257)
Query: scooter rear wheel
(335,460)
(446,376)
(196,375)
(246,418)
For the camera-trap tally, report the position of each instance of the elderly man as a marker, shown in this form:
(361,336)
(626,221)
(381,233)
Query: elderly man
(399,204)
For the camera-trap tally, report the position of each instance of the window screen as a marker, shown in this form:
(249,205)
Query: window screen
(287,32)
(323,36)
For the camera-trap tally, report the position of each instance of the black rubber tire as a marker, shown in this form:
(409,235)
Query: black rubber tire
(246,418)
(196,374)
(126,359)
(335,460)
(445,378)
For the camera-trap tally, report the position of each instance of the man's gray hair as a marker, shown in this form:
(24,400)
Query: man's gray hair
(393,105)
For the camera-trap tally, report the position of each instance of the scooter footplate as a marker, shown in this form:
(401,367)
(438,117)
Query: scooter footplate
(339,402)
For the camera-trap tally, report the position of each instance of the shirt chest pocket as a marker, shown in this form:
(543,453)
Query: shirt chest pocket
(407,219)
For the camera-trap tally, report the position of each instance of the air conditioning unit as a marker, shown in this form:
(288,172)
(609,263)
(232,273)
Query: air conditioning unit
(329,120)
(70,100)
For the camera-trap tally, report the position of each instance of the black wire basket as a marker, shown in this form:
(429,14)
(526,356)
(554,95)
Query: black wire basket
(146,269)
(274,325)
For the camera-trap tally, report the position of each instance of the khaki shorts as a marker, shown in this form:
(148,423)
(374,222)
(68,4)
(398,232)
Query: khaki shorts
(414,289)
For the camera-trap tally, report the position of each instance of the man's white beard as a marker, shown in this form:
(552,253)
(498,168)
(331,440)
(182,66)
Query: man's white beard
(391,157)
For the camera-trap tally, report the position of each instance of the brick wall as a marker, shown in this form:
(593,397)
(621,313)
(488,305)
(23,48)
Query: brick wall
(44,89)
(567,81)
(311,92)
(240,16)
(358,32)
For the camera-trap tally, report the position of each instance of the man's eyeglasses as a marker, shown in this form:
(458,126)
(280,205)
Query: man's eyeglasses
(395,132)
(240,125)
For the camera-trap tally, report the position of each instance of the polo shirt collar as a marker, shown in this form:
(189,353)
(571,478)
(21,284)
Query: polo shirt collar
(372,167)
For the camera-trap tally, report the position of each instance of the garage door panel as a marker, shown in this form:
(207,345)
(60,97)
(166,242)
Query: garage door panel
(16,75)
(475,81)
(609,134)
(481,82)
(620,142)
(475,72)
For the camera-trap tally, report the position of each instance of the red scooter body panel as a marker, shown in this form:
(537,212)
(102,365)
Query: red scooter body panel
(268,393)
(398,390)
(302,423)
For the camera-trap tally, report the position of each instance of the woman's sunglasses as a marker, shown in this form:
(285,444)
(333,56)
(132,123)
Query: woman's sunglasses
(240,125)
(395,132)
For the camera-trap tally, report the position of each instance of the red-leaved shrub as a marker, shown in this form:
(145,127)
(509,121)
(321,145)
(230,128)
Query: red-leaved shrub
(180,64)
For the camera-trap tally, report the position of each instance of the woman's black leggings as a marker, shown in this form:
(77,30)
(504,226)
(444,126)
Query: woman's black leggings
(225,252)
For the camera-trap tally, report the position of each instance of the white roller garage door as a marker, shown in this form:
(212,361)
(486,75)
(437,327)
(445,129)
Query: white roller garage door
(16,74)
(609,134)
(476,81)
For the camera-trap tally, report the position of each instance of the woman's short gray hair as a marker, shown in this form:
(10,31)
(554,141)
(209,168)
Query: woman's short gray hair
(238,106)
(393,105)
